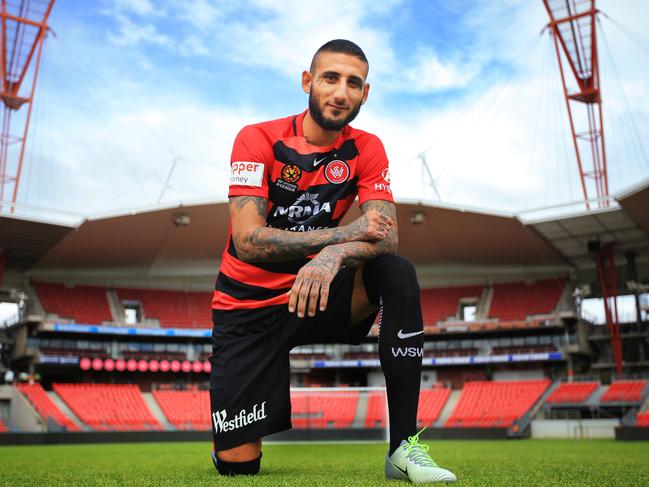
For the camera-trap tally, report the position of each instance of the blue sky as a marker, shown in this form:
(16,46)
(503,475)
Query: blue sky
(129,86)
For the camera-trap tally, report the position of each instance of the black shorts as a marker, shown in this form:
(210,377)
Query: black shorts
(250,378)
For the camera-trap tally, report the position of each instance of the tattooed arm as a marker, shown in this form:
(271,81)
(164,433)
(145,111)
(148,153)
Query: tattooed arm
(314,278)
(255,242)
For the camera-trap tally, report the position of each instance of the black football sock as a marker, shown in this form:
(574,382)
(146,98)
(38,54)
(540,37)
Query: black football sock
(250,467)
(391,281)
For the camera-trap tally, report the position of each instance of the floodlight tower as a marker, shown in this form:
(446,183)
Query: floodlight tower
(573,28)
(24,25)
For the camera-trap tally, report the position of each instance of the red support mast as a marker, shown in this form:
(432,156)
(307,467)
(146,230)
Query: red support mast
(573,28)
(23,30)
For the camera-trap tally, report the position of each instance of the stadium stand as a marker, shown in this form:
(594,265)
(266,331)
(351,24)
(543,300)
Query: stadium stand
(625,391)
(574,392)
(516,301)
(45,406)
(523,349)
(174,309)
(375,414)
(83,304)
(336,410)
(441,303)
(495,404)
(185,410)
(108,406)
(77,352)
(3,427)
(642,419)
(431,403)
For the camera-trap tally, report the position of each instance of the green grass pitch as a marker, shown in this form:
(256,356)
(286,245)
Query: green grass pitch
(480,463)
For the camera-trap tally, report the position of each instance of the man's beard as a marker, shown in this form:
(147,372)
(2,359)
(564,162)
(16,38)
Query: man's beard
(328,124)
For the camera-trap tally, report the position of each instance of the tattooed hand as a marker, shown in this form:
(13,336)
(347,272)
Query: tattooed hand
(372,226)
(312,282)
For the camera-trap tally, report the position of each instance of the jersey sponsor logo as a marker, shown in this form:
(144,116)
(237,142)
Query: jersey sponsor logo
(403,335)
(407,352)
(243,418)
(305,207)
(246,173)
(386,175)
(337,172)
(382,187)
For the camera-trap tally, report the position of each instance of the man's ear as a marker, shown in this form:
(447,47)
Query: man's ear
(366,92)
(307,78)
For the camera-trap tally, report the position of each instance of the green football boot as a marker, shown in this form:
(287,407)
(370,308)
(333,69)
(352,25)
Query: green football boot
(412,463)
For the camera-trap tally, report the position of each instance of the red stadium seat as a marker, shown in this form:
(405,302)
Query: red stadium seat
(516,301)
(574,392)
(174,309)
(440,303)
(45,406)
(642,419)
(3,427)
(108,406)
(83,304)
(186,410)
(335,409)
(495,404)
(625,391)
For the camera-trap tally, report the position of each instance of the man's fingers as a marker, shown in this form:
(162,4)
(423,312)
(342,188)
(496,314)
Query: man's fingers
(313,297)
(293,294)
(303,297)
(324,294)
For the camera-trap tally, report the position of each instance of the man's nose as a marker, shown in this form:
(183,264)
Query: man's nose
(340,94)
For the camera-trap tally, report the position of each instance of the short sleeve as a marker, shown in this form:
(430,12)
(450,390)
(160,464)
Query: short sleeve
(250,163)
(374,174)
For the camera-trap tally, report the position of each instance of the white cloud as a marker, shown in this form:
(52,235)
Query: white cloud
(131,33)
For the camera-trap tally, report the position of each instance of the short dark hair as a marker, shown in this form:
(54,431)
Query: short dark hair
(341,46)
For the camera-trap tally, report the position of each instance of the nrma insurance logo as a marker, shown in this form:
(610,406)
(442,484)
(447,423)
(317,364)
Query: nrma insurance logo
(222,424)
(305,207)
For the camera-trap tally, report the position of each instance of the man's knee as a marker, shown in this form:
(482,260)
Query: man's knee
(240,460)
(390,274)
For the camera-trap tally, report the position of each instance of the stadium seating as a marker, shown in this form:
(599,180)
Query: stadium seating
(45,406)
(516,301)
(642,419)
(495,404)
(335,410)
(3,427)
(440,303)
(139,355)
(185,410)
(625,391)
(375,415)
(108,406)
(83,304)
(431,403)
(174,309)
(574,392)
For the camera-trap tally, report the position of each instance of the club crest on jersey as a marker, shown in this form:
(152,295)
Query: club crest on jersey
(337,172)
(304,209)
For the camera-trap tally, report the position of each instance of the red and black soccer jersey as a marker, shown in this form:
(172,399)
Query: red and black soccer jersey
(307,187)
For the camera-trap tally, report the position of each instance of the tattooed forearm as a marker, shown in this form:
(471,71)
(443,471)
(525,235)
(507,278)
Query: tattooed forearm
(255,242)
(355,254)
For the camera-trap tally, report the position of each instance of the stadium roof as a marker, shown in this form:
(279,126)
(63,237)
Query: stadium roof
(24,242)
(449,244)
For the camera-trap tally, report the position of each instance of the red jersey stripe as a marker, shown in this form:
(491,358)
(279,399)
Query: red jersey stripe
(253,275)
(225,302)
